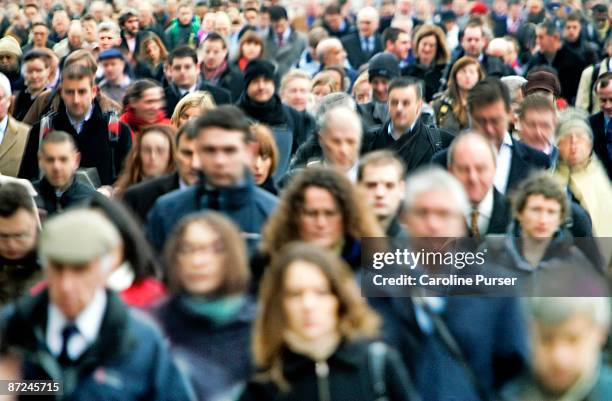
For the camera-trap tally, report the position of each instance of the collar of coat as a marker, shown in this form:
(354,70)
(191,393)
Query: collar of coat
(27,325)
(228,198)
(349,354)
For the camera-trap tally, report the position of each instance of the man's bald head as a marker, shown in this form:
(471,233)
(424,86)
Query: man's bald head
(472,160)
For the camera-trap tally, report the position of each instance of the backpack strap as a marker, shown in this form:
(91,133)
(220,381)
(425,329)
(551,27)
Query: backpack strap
(377,352)
(434,137)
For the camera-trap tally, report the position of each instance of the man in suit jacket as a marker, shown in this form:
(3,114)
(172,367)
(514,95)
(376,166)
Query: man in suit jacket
(13,134)
(472,161)
(284,45)
(183,62)
(366,42)
(141,197)
(490,113)
(405,133)
(600,122)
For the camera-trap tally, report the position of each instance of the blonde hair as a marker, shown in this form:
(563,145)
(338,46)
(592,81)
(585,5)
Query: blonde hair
(200,99)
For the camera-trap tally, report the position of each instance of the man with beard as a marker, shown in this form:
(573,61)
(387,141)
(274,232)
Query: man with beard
(10,52)
(130,33)
(261,103)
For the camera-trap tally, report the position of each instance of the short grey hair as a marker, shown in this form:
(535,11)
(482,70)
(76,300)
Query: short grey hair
(430,179)
(5,85)
(293,74)
(325,45)
(109,26)
(340,116)
(513,83)
(334,99)
(552,310)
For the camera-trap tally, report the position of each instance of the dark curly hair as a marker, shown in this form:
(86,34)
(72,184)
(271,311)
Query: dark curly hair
(283,225)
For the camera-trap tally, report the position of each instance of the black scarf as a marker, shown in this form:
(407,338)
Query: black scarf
(270,112)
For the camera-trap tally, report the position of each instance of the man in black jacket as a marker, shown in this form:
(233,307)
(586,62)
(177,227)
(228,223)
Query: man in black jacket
(553,52)
(601,123)
(215,69)
(141,197)
(102,143)
(366,42)
(183,62)
(261,103)
(405,133)
(490,114)
(59,160)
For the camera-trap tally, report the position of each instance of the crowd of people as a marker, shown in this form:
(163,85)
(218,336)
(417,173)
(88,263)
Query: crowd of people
(186,190)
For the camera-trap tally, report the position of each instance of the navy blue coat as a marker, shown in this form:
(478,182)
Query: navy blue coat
(248,206)
(129,361)
(490,332)
(221,350)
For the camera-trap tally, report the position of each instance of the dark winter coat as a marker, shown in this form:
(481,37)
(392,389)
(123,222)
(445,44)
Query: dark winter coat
(128,361)
(430,75)
(415,148)
(93,143)
(205,346)
(247,205)
(76,193)
(349,378)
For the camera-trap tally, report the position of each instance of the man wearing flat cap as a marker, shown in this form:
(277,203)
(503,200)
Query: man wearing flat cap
(115,81)
(81,334)
(262,104)
(10,54)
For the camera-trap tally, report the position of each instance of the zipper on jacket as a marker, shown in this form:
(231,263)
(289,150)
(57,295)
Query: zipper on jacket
(322,370)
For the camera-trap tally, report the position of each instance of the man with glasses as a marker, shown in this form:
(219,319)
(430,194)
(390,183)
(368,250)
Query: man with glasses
(490,113)
(19,267)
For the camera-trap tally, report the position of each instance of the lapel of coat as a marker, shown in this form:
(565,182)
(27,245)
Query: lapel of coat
(500,217)
(9,140)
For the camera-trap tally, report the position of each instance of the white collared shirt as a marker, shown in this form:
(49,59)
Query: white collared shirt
(351,173)
(504,161)
(88,323)
(3,127)
(183,92)
(78,125)
(485,210)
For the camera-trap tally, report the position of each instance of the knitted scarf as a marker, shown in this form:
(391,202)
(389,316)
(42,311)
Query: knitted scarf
(270,112)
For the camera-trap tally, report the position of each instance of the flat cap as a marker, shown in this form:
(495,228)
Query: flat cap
(543,80)
(110,53)
(9,44)
(77,237)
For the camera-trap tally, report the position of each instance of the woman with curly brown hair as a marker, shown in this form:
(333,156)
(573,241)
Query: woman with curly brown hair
(450,106)
(319,206)
(313,335)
